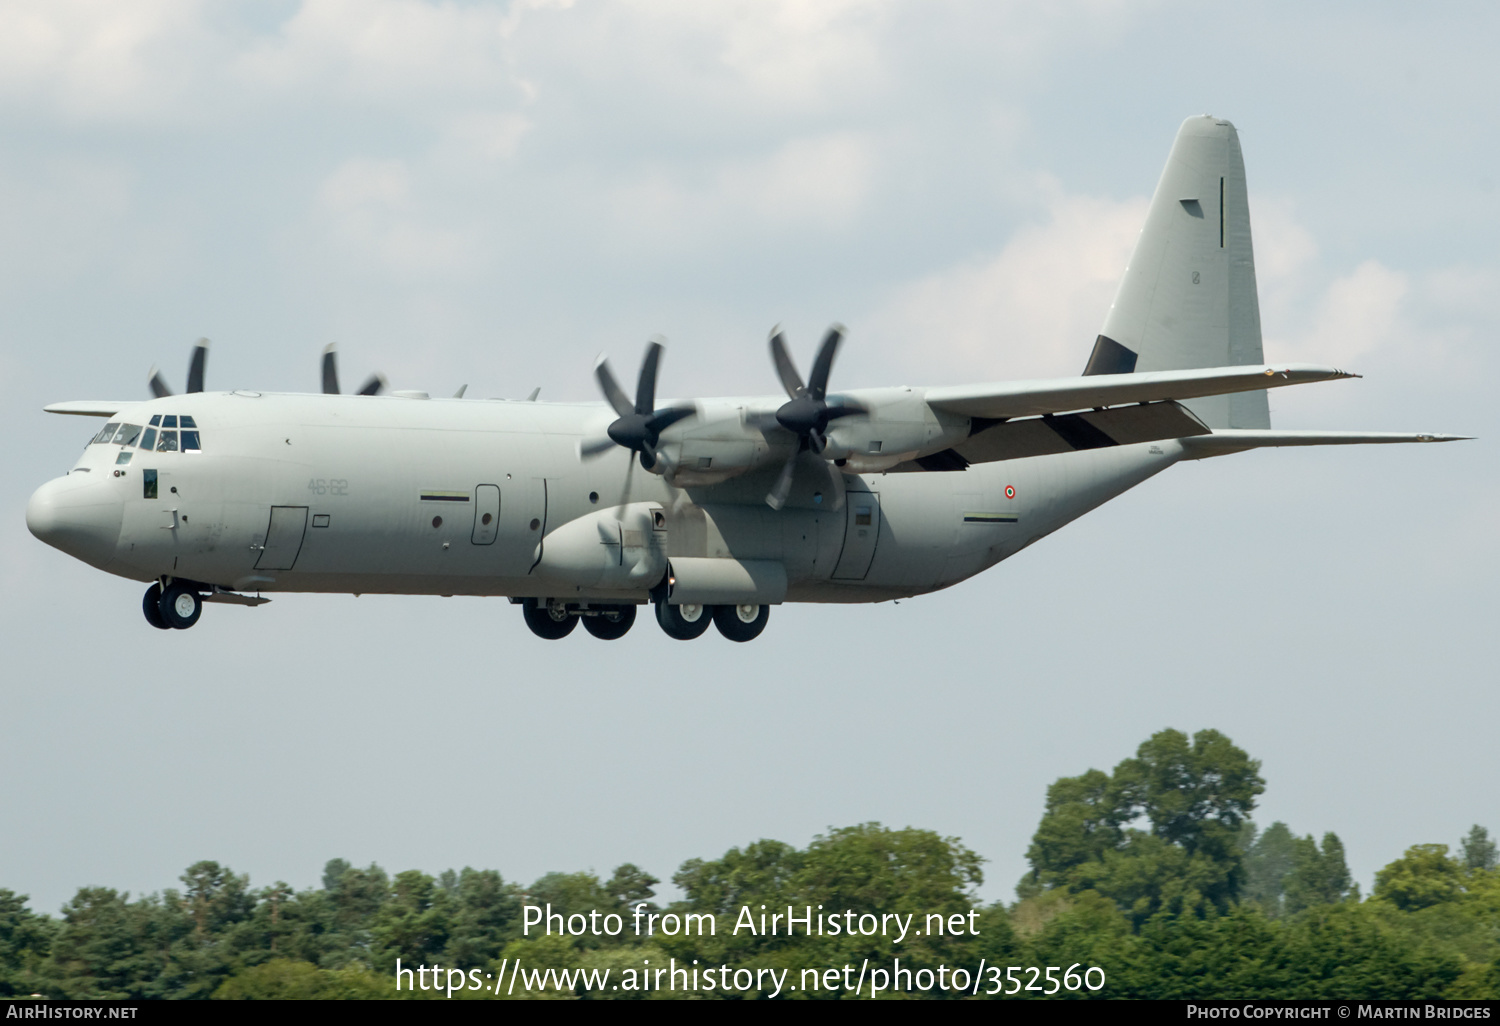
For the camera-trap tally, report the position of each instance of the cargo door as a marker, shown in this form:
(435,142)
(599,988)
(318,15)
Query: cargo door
(861,533)
(283,538)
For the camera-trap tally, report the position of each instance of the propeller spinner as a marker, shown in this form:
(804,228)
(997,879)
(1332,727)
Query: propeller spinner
(639,425)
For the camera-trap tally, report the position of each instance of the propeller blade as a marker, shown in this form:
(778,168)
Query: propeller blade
(778,495)
(785,368)
(848,408)
(374,386)
(817,386)
(663,419)
(330,370)
(625,492)
(611,388)
(197,365)
(534,393)
(596,447)
(158,386)
(836,477)
(461,390)
(645,386)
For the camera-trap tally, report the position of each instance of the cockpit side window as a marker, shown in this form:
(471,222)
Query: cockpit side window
(170,420)
(189,434)
(107,433)
(148,440)
(156,421)
(167,441)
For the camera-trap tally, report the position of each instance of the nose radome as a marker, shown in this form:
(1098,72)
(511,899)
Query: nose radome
(77,516)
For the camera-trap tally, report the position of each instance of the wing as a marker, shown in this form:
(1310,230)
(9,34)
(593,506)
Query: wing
(90,407)
(1006,399)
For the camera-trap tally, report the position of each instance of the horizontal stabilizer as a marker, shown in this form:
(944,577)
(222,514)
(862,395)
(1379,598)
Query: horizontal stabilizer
(1226,441)
(89,407)
(1059,395)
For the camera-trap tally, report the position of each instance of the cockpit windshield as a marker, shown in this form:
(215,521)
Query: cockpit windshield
(150,438)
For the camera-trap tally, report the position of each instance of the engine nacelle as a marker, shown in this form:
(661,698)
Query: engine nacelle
(899,427)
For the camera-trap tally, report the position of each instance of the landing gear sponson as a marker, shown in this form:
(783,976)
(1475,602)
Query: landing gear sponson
(554,620)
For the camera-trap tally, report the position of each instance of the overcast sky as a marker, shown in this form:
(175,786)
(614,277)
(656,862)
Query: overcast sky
(492,194)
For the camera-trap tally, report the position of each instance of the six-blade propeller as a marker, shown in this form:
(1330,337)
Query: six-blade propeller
(807,412)
(639,425)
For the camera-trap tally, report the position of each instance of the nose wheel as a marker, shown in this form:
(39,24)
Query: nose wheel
(175,607)
(151,606)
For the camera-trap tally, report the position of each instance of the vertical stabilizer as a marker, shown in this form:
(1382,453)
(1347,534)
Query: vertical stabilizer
(1188,298)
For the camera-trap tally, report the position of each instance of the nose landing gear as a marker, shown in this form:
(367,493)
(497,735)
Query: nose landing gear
(151,606)
(177,606)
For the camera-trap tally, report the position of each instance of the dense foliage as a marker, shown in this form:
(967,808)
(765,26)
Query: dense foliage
(1153,872)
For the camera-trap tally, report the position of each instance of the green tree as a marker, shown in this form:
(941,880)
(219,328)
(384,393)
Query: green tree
(1477,851)
(1190,799)
(412,925)
(864,870)
(1269,859)
(1318,876)
(283,979)
(486,914)
(25,938)
(1423,877)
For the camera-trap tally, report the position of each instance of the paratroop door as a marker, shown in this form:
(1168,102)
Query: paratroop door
(861,532)
(283,538)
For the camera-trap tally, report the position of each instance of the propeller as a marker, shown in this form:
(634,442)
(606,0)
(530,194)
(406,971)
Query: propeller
(807,412)
(639,425)
(374,385)
(196,367)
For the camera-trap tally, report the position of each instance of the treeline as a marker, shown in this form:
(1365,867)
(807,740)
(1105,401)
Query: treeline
(1153,872)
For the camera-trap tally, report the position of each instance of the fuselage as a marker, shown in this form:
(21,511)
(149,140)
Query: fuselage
(388,494)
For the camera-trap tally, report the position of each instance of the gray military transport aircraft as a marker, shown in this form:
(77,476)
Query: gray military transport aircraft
(861,495)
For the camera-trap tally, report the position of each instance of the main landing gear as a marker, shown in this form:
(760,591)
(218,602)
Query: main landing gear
(737,623)
(177,606)
(554,621)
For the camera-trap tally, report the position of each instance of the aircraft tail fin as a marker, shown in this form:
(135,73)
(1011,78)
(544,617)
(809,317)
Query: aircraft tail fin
(1188,298)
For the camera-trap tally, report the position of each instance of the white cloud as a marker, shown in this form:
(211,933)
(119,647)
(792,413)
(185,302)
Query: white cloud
(1032,310)
(810,183)
(370,221)
(91,60)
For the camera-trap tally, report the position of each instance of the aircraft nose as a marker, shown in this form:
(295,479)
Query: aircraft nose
(77,516)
